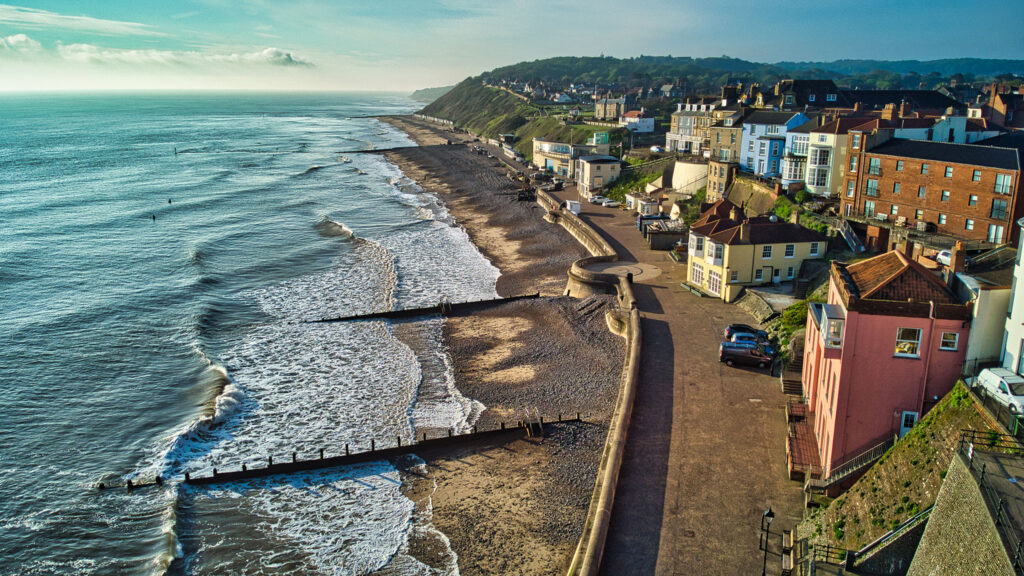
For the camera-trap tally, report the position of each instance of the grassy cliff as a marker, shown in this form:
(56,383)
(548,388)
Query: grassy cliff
(427,95)
(904,482)
(480,109)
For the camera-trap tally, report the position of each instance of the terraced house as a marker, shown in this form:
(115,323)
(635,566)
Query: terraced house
(888,344)
(969,192)
(728,251)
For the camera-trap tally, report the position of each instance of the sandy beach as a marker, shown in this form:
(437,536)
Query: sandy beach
(513,508)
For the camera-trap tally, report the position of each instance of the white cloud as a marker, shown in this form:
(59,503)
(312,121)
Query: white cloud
(92,54)
(20,43)
(38,19)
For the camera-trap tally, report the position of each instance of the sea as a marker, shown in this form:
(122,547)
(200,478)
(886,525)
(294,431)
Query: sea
(160,256)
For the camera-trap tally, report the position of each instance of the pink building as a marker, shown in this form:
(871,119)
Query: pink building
(889,343)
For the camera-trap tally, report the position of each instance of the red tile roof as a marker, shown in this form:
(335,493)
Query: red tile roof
(893,276)
(717,223)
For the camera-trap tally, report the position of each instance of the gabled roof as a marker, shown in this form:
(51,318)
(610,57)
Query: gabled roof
(892,276)
(769,117)
(717,224)
(986,153)
(635,114)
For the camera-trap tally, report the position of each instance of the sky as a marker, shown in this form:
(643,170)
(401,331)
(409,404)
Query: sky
(402,45)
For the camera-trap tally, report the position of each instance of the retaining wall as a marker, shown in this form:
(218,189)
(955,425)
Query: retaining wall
(625,321)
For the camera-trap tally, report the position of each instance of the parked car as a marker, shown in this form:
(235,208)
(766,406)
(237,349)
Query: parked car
(1005,386)
(749,337)
(756,344)
(611,203)
(598,199)
(732,353)
(944,257)
(734,328)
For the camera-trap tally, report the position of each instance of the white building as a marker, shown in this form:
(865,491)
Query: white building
(1013,333)
(637,121)
(596,172)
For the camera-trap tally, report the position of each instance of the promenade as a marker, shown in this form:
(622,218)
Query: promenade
(705,454)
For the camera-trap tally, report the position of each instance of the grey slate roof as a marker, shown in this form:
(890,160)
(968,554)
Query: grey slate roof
(992,156)
(769,117)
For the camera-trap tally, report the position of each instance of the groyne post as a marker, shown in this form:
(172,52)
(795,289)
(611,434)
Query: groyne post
(321,453)
(373,444)
(346,449)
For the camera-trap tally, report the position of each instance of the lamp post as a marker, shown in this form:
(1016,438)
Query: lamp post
(766,527)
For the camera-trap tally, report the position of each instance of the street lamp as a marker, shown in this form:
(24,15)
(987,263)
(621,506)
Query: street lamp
(766,527)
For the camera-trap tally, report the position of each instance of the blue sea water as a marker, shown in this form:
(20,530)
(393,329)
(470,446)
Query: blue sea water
(157,256)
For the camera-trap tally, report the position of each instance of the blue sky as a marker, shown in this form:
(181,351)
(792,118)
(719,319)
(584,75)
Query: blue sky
(408,44)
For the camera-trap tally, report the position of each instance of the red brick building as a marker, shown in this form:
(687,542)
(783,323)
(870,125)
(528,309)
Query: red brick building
(965,191)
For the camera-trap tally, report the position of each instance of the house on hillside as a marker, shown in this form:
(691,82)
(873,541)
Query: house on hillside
(729,251)
(609,108)
(967,192)
(637,121)
(561,158)
(764,140)
(888,344)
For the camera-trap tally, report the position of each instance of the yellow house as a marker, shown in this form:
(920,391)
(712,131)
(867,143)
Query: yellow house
(596,172)
(728,251)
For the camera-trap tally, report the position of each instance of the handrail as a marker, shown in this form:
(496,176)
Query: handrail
(851,465)
(909,523)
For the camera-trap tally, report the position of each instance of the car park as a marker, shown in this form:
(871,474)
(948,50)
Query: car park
(1004,386)
(732,353)
(598,199)
(734,328)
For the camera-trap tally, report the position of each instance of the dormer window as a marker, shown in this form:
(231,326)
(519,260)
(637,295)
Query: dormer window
(830,97)
(810,97)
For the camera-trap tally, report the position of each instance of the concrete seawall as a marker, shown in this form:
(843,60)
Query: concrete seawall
(625,321)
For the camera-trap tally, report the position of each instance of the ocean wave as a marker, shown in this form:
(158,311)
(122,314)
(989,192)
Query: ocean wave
(327,227)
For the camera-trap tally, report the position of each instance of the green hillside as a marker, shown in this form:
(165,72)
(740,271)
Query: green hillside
(427,95)
(904,482)
(480,109)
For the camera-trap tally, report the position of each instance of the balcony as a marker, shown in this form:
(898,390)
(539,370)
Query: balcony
(830,320)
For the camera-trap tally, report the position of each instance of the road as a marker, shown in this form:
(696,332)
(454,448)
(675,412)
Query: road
(705,454)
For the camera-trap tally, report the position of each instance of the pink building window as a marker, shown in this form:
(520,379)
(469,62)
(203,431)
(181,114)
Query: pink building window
(908,342)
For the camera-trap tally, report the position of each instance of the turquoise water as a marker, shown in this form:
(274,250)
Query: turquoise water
(157,254)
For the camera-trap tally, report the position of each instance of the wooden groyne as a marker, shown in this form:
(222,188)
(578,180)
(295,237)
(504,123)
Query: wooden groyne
(377,451)
(443,308)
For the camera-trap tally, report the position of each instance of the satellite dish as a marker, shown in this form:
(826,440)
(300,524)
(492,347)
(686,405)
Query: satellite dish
(773,218)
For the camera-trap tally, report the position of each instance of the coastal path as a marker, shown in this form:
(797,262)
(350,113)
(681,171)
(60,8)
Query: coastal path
(705,452)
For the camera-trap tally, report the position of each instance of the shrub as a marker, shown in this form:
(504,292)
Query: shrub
(800,196)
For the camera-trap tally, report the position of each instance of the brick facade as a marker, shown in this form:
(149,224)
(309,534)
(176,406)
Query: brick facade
(964,204)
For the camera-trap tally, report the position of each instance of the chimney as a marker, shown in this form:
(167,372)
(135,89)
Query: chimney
(904,109)
(735,214)
(857,107)
(958,259)
(745,231)
(992,90)
(889,112)
(794,215)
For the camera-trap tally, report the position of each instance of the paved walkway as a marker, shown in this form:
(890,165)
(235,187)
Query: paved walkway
(705,455)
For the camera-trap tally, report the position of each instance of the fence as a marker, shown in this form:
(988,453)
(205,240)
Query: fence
(1012,422)
(1008,530)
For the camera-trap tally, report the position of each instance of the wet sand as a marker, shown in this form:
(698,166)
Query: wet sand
(513,508)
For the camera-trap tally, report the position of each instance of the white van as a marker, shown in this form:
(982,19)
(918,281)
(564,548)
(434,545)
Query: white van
(1005,386)
(573,206)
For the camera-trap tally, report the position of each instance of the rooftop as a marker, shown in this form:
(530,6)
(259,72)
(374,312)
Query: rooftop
(894,277)
(987,153)
(769,117)
(718,224)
